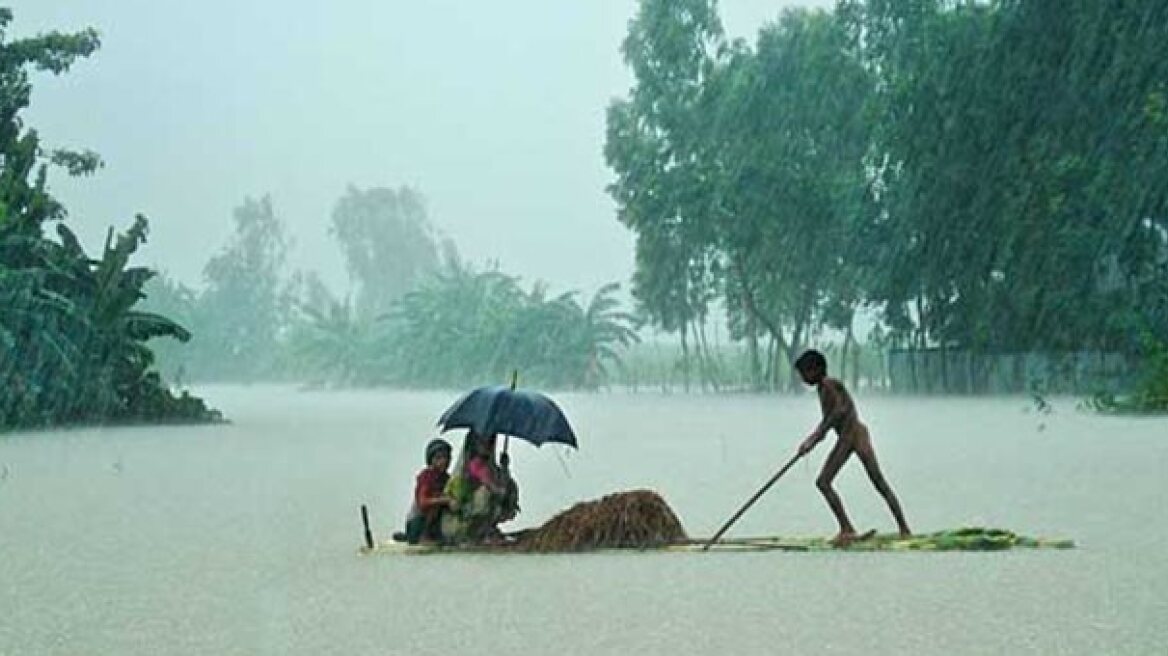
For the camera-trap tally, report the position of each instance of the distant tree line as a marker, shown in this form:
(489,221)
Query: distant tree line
(72,334)
(419,316)
(982,176)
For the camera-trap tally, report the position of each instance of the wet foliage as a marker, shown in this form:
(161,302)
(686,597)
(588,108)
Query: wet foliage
(1150,395)
(984,177)
(432,324)
(72,337)
(460,325)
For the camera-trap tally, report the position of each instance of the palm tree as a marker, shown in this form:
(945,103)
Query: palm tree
(341,346)
(114,334)
(607,330)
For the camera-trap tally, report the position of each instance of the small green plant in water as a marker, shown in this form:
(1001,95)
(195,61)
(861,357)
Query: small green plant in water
(1151,396)
(1039,402)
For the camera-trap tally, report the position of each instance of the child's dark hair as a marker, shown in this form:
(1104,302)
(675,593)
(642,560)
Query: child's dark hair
(811,359)
(435,447)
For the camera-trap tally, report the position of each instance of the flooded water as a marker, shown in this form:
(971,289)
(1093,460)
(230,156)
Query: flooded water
(242,539)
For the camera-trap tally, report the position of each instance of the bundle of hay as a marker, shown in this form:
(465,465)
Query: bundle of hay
(637,519)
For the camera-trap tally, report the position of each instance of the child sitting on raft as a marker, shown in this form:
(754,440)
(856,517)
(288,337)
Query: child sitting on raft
(423,524)
(482,494)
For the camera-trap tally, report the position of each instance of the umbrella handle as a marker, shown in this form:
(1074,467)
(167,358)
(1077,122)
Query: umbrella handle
(504,459)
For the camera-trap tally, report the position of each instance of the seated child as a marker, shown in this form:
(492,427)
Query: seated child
(492,483)
(424,521)
(483,494)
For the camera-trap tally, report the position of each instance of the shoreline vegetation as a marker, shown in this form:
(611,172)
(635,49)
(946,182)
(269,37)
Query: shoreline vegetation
(779,197)
(1149,396)
(72,336)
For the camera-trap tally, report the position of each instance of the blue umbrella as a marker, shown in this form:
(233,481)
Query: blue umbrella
(498,409)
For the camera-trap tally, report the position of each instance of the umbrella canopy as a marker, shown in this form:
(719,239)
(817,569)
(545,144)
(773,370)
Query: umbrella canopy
(521,413)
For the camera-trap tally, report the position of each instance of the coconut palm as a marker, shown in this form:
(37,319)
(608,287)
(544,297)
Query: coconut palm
(337,345)
(606,331)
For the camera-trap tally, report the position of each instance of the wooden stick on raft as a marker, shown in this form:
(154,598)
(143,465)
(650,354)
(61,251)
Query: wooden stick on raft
(365,521)
(748,504)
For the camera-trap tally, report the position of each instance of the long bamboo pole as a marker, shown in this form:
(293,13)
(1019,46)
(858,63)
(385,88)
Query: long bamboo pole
(750,502)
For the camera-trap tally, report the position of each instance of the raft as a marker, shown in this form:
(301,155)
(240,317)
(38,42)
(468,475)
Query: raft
(962,539)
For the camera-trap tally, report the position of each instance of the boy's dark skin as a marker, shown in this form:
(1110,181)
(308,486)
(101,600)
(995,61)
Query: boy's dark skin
(839,413)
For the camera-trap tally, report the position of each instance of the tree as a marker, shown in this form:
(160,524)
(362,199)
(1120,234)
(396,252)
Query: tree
(653,141)
(72,340)
(1023,140)
(243,308)
(24,203)
(169,297)
(335,345)
(744,174)
(603,332)
(463,327)
(791,146)
(387,241)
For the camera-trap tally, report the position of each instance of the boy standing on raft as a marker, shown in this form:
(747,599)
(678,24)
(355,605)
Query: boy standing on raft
(839,413)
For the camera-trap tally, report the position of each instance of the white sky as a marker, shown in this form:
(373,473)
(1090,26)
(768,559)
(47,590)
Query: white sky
(493,110)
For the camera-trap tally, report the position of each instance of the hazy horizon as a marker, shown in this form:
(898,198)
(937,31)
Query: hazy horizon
(495,113)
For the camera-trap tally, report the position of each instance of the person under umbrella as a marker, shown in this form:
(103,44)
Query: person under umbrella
(483,494)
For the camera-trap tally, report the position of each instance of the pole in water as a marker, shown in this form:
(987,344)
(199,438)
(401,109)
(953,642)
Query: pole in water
(749,503)
(365,521)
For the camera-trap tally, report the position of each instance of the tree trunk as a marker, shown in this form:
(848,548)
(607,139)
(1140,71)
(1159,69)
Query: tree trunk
(850,340)
(768,366)
(700,357)
(919,350)
(843,358)
(752,353)
(944,350)
(771,327)
(710,369)
(792,350)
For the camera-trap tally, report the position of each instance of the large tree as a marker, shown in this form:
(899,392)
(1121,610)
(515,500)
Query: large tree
(72,335)
(790,148)
(744,174)
(987,174)
(387,241)
(243,308)
(653,144)
(1026,147)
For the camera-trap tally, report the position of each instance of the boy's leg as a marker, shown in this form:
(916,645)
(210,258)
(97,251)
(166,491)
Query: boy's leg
(432,526)
(867,455)
(414,527)
(835,460)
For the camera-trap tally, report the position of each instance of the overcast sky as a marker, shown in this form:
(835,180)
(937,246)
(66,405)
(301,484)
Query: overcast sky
(493,110)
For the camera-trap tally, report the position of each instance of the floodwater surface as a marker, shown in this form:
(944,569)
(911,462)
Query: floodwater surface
(243,538)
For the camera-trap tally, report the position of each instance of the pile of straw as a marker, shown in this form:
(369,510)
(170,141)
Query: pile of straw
(637,519)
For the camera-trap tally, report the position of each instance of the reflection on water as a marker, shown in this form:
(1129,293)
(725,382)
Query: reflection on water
(242,538)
